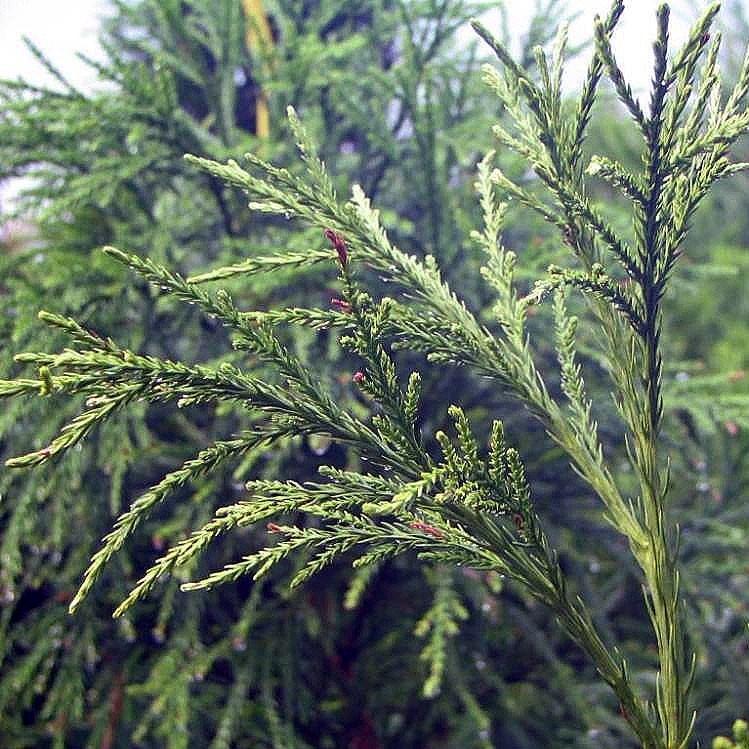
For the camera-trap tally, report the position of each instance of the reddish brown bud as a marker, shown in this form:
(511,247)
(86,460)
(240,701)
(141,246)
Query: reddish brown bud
(339,245)
(359,377)
(705,38)
(341,305)
(731,427)
(430,530)
(274,528)
(519,521)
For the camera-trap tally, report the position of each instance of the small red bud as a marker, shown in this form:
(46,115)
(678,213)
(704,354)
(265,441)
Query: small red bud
(430,530)
(339,245)
(517,518)
(274,528)
(341,305)
(359,377)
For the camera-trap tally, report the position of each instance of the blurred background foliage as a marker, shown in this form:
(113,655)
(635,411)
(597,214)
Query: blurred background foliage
(404,655)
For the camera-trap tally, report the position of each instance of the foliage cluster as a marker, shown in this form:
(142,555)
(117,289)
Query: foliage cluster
(405,483)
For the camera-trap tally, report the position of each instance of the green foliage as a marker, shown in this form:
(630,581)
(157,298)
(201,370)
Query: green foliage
(740,737)
(179,78)
(404,487)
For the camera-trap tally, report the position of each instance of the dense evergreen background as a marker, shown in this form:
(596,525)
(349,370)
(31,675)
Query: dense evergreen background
(357,659)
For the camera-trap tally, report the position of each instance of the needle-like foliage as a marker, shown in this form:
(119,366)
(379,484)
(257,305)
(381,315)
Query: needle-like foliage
(106,166)
(447,498)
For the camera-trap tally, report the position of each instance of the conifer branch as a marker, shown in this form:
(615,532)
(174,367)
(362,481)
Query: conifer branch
(592,79)
(264,264)
(614,72)
(595,282)
(466,504)
(614,174)
(207,460)
(679,183)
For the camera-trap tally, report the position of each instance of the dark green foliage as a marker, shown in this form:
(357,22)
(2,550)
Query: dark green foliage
(109,168)
(394,478)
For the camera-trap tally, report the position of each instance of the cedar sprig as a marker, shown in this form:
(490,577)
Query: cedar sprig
(468,506)
(685,153)
(595,282)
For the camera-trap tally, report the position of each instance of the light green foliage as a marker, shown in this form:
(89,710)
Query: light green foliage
(468,507)
(107,168)
(438,624)
(740,737)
